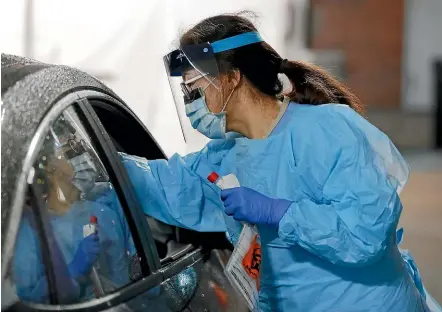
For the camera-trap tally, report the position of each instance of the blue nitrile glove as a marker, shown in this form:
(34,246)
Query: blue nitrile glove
(87,253)
(247,205)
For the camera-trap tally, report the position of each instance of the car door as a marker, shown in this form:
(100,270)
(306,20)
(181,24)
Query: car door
(51,230)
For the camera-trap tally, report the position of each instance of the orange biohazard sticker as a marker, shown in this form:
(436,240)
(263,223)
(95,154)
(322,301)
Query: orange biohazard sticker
(252,260)
(220,293)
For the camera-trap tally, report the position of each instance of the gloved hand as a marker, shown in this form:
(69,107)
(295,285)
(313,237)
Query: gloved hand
(247,205)
(87,253)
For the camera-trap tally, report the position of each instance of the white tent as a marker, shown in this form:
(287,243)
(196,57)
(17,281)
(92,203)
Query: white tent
(122,43)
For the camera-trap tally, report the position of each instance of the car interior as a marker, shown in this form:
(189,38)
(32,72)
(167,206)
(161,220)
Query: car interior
(126,134)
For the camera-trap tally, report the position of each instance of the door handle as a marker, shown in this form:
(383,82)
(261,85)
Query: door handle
(175,251)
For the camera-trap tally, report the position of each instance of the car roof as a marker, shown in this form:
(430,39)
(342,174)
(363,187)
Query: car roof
(29,89)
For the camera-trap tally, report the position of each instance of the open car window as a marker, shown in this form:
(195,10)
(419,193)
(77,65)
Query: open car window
(129,136)
(126,135)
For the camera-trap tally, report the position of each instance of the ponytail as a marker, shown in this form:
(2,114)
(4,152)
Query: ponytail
(260,64)
(313,85)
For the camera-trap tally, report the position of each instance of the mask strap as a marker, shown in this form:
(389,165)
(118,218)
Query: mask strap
(227,101)
(210,83)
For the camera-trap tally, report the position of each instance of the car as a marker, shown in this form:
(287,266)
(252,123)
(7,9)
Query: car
(51,115)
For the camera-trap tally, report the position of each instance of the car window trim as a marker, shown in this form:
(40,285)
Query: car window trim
(110,300)
(138,225)
(106,99)
(123,295)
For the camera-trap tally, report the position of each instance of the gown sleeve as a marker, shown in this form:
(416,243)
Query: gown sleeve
(176,191)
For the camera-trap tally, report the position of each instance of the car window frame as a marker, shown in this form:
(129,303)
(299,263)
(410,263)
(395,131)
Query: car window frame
(109,156)
(152,276)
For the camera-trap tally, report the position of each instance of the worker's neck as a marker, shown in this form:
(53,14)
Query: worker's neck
(254,118)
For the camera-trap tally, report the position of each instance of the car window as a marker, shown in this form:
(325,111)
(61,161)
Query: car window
(126,132)
(91,250)
(126,138)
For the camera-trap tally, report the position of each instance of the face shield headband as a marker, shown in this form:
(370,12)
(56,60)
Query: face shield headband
(182,59)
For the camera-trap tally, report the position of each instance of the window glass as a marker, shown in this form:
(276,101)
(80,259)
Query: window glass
(90,244)
(30,275)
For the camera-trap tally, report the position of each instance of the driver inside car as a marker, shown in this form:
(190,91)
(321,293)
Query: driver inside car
(71,198)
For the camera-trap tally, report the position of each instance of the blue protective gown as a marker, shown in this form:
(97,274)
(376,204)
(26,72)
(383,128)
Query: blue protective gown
(115,241)
(335,249)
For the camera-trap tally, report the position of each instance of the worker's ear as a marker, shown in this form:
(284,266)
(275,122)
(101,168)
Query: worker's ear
(234,78)
(230,82)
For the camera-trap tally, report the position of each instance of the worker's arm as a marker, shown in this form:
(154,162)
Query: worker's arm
(176,191)
(353,217)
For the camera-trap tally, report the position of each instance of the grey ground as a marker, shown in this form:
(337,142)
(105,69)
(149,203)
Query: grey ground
(422,217)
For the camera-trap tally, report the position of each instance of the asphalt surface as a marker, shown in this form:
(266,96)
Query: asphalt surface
(422,217)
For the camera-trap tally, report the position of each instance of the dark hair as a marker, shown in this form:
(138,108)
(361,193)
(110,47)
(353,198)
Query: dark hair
(261,64)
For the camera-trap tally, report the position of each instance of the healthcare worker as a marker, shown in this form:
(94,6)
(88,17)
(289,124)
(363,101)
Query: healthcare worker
(319,181)
(66,176)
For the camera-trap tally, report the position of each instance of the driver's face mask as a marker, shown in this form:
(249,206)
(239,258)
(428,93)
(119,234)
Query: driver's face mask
(83,165)
(212,125)
(85,172)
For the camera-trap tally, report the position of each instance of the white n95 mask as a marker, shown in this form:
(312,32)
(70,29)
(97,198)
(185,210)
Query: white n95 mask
(85,172)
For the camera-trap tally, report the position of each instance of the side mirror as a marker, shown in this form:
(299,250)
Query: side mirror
(181,288)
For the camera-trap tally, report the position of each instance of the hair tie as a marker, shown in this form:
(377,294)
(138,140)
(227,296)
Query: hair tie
(283,65)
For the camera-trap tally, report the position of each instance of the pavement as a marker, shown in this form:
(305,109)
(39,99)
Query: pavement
(422,217)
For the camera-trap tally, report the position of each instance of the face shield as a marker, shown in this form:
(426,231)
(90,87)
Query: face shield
(192,70)
(74,160)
